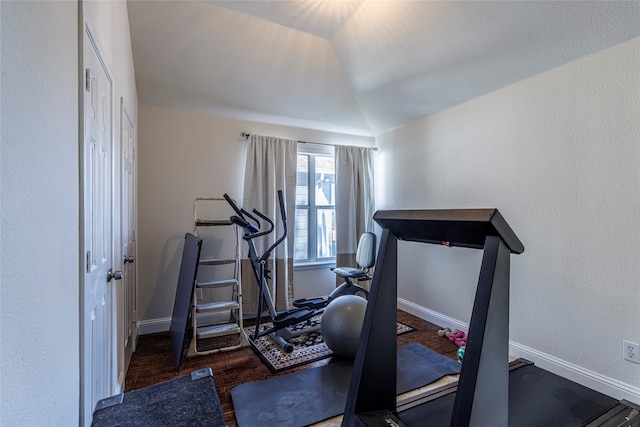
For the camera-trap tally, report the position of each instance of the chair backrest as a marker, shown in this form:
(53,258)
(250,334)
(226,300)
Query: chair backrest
(366,252)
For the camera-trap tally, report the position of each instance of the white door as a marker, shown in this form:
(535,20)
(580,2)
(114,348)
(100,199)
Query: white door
(97,310)
(127,303)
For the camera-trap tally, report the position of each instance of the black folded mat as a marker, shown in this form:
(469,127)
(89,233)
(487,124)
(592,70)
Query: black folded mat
(316,394)
(189,401)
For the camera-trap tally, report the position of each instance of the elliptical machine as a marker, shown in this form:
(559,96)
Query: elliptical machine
(279,332)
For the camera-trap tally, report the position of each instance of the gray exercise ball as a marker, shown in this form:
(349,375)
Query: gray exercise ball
(341,324)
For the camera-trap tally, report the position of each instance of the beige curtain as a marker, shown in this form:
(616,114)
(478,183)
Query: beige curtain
(355,202)
(270,166)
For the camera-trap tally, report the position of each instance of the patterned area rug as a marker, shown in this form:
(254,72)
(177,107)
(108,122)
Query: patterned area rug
(308,347)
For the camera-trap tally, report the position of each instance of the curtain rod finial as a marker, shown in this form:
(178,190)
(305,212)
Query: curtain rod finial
(245,135)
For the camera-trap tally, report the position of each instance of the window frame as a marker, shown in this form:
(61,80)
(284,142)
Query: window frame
(312,151)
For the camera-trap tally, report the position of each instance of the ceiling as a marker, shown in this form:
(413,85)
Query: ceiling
(356,67)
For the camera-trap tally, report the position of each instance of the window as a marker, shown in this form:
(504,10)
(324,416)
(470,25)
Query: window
(315,225)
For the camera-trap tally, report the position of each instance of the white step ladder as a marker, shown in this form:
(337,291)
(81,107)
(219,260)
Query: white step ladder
(217,298)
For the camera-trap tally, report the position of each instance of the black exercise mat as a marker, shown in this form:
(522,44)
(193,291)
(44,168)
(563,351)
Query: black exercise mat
(536,398)
(414,373)
(189,401)
(316,394)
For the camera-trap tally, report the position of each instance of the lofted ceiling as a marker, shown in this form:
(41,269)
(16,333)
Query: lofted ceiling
(357,67)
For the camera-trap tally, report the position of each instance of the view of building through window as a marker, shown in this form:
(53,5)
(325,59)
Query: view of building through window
(314,229)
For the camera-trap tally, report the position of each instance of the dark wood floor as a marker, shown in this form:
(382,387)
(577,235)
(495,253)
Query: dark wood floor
(153,362)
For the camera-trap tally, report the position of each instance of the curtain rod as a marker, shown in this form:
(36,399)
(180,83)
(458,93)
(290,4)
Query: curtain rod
(246,135)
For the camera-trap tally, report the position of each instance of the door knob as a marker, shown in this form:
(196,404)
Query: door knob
(117,275)
(129,259)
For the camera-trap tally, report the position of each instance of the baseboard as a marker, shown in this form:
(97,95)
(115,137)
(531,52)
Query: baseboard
(153,326)
(601,383)
(431,316)
(163,324)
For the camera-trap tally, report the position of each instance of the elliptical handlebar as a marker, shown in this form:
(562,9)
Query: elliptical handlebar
(232,204)
(253,230)
(240,219)
(283,211)
(266,218)
(253,218)
(283,216)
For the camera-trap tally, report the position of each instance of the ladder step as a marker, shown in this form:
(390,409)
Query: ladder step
(217,283)
(212,222)
(217,330)
(216,261)
(217,314)
(217,306)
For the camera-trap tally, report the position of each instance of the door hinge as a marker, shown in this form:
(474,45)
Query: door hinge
(88,261)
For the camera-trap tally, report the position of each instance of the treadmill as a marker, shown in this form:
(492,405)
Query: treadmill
(490,391)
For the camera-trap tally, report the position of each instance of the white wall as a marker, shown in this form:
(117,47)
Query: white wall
(39,201)
(39,189)
(559,156)
(183,156)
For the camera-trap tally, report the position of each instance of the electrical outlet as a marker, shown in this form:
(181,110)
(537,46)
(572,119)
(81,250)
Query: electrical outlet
(631,351)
